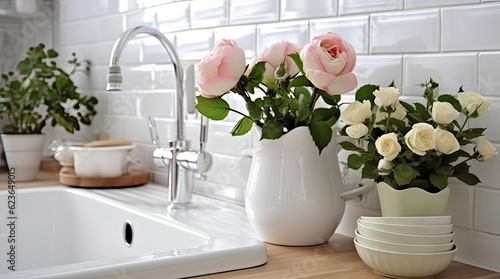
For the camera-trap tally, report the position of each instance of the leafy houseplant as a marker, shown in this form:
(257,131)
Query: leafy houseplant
(42,92)
(281,87)
(419,145)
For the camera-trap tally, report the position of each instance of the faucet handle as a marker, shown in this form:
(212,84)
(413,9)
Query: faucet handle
(204,159)
(153,131)
(203,133)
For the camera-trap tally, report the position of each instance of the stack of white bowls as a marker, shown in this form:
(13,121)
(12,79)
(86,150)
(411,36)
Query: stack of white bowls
(405,247)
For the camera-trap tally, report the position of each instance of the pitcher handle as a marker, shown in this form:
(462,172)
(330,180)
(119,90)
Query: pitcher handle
(244,163)
(354,193)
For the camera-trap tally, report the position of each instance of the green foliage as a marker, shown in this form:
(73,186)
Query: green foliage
(41,92)
(431,171)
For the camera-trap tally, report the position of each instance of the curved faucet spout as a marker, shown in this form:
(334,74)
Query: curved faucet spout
(115,79)
(181,162)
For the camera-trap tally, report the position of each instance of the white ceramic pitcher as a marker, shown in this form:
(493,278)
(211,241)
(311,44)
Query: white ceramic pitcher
(295,196)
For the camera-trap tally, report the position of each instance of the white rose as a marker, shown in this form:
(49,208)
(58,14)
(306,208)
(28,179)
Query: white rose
(386,96)
(356,112)
(356,131)
(384,167)
(485,148)
(388,146)
(420,138)
(446,142)
(444,113)
(471,101)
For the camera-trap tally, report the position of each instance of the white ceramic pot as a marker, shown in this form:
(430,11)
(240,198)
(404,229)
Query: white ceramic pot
(294,196)
(24,154)
(411,201)
(108,161)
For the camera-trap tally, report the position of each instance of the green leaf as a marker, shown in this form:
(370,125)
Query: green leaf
(467,178)
(254,110)
(452,100)
(369,171)
(272,130)
(302,91)
(407,106)
(355,161)
(303,111)
(52,53)
(422,112)
(349,146)
(404,174)
(254,78)
(298,62)
(473,132)
(257,73)
(242,127)
(321,133)
(365,92)
(301,81)
(329,99)
(328,115)
(213,108)
(439,180)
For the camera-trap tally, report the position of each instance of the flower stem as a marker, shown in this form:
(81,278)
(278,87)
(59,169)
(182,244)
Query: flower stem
(314,98)
(388,121)
(463,125)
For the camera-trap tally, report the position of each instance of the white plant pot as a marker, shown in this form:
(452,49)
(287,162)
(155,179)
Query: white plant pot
(24,154)
(411,201)
(294,195)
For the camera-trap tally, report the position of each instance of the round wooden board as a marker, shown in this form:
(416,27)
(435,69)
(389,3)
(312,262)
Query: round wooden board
(136,177)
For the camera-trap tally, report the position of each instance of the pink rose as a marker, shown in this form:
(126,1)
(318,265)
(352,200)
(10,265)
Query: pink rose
(273,56)
(221,69)
(328,62)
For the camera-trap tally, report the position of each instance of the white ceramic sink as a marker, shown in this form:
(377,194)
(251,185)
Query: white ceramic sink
(63,232)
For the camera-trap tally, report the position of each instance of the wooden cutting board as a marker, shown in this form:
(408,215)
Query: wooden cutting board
(136,177)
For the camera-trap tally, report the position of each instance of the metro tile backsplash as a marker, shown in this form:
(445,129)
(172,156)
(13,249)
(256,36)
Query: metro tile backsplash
(408,41)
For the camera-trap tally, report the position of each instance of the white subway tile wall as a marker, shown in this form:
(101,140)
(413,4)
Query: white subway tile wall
(454,42)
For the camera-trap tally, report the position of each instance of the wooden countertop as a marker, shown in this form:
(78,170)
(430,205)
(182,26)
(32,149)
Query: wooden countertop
(335,259)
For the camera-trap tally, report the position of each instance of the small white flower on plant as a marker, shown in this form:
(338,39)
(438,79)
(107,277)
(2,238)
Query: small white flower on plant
(356,112)
(388,146)
(444,113)
(485,148)
(357,130)
(384,167)
(386,96)
(472,101)
(446,142)
(420,138)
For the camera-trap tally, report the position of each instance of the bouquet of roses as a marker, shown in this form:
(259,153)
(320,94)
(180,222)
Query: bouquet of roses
(415,145)
(281,86)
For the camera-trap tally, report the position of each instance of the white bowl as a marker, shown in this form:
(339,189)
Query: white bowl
(419,220)
(109,161)
(410,229)
(404,238)
(398,247)
(404,265)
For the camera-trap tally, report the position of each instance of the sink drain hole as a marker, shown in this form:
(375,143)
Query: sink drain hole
(127,233)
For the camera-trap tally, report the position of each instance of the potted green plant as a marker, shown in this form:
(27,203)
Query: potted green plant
(38,93)
(413,150)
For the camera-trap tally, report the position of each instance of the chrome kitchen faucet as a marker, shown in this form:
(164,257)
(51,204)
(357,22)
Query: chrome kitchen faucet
(181,162)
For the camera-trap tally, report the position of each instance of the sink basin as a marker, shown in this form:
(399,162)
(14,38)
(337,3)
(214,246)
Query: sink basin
(62,232)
